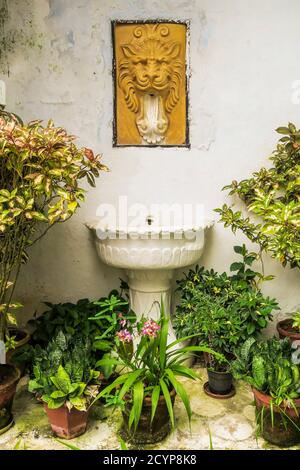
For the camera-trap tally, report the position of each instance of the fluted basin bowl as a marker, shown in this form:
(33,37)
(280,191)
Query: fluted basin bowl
(149,247)
(149,254)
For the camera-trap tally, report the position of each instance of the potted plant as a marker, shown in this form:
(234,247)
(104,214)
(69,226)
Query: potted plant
(223,311)
(213,324)
(98,321)
(65,382)
(272,196)
(290,328)
(40,170)
(148,381)
(9,378)
(272,369)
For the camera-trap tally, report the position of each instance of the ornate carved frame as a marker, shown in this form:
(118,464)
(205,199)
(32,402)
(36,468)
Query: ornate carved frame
(114,23)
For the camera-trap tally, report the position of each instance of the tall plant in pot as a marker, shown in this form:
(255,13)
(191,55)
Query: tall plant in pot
(223,311)
(65,381)
(272,369)
(148,384)
(272,199)
(40,170)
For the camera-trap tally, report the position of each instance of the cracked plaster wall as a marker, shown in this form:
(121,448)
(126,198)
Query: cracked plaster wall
(56,60)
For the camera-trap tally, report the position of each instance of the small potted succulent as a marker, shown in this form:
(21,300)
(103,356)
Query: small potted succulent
(223,311)
(290,328)
(148,382)
(63,379)
(272,369)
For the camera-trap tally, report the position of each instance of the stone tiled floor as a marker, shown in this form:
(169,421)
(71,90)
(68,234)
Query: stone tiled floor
(230,423)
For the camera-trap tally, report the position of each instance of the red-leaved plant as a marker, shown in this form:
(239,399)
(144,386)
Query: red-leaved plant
(40,171)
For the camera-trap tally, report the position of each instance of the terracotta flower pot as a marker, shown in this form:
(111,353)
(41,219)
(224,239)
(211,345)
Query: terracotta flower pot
(286,330)
(67,423)
(283,429)
(147,432)
(9,378)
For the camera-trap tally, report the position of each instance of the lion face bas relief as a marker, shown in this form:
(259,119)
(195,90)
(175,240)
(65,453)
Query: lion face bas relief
(150,75)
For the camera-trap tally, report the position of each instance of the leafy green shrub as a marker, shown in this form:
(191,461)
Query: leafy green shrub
(96,319)
(268,366)
(63,374)
(272,195)
(223,310)
(70,318)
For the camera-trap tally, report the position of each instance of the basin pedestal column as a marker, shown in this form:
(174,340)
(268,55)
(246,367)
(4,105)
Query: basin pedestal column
(147,289)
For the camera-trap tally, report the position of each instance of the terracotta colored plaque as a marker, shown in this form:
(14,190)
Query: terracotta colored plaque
(150,84)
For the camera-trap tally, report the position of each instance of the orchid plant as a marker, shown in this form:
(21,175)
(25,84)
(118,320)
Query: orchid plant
(150,367)
(40,170)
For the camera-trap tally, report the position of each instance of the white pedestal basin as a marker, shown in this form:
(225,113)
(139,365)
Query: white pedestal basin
(149,255)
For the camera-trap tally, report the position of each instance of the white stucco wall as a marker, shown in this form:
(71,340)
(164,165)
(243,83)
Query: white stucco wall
(243,63)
